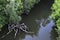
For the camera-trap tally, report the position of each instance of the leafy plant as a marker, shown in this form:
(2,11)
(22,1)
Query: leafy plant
(11,10)
(56,15)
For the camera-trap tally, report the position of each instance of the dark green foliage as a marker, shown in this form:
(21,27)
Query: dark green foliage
(3,18)
(3,21)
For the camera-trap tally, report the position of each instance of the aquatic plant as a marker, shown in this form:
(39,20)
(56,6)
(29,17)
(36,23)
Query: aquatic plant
(56,15)
(11,10)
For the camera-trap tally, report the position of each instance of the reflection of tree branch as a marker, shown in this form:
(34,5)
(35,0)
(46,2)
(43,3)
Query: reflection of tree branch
(16,28)
(25,30)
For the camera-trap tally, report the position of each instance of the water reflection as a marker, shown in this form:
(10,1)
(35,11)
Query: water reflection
(41,10)
(43,33)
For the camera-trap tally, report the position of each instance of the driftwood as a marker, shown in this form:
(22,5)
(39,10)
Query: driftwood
(17,28)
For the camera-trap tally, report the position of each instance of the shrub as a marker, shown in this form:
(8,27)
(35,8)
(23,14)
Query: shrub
(56,15)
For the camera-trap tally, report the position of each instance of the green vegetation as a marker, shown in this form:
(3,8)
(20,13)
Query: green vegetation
(56,15)
(11,10)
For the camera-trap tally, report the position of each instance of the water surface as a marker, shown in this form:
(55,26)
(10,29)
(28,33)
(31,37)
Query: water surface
(40,10)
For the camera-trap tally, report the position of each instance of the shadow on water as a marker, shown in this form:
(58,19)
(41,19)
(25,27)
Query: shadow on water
(40,10)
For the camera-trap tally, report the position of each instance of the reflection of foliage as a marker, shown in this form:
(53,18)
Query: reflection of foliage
(10,10)
(56,15)
(28,4)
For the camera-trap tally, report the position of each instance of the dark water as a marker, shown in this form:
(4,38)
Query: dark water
(40,10)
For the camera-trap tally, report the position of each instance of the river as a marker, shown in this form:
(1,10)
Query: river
(40,11)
